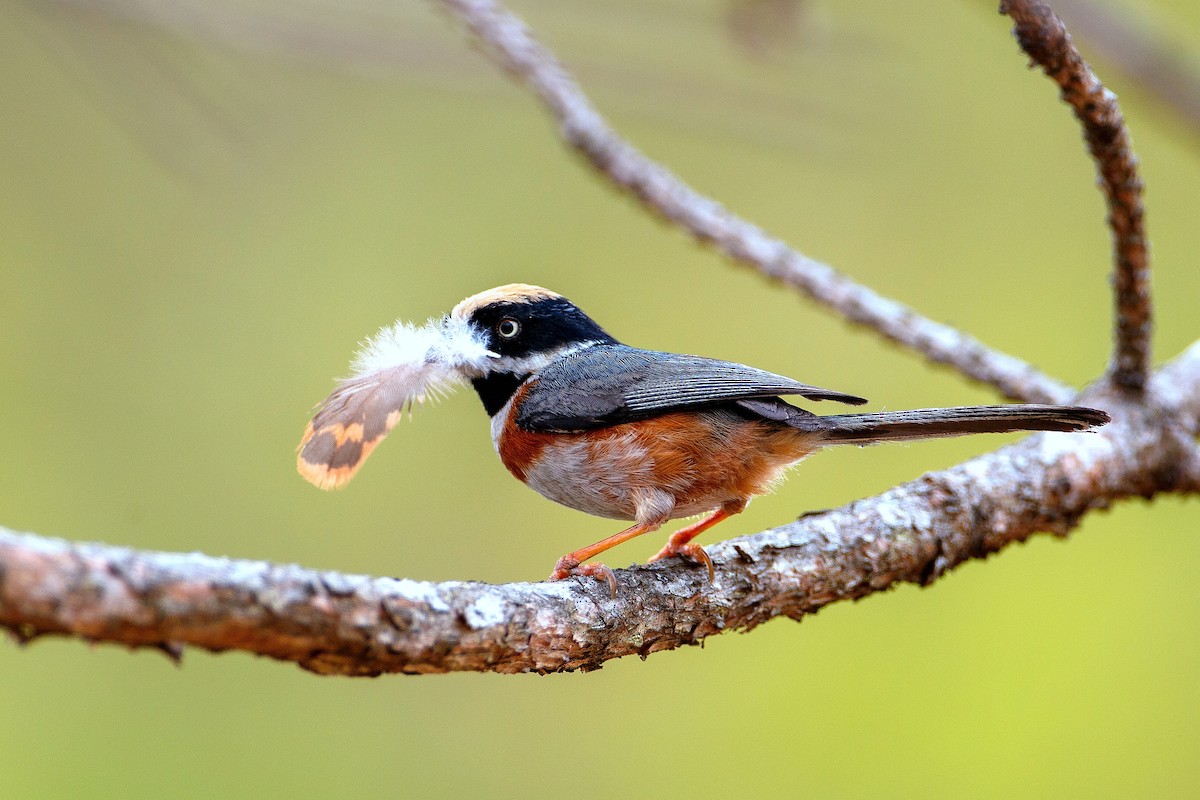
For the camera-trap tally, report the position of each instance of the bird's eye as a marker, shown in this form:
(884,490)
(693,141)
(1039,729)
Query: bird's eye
(508,328)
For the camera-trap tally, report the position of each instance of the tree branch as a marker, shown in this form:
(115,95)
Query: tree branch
(1178,389)
(510,44)
(1044,38)
(332,623)
(356,625)
(1148,54)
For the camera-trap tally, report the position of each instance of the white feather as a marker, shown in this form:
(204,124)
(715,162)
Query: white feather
(431,358)
(399,367)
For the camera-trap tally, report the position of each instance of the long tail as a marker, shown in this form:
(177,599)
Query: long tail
(927,423)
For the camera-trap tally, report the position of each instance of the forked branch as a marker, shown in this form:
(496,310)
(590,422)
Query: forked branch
(512,46)
(355,625)
(1044,38)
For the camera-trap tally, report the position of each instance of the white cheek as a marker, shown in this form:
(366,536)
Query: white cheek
(534,362)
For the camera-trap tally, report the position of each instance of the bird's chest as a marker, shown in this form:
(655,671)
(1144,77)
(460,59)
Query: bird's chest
(598,472)
(676,464)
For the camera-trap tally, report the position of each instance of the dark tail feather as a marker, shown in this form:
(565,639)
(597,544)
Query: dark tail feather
(928,423)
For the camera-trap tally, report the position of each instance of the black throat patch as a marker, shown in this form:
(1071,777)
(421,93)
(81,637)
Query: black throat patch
(496,389)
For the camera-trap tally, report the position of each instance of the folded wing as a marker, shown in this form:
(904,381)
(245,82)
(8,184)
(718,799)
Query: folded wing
(609,384)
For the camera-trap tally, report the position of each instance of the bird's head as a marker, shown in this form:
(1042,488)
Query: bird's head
(524,327)
(494,340)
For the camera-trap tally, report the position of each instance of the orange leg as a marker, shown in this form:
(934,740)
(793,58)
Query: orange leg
(572,563)
(680,543)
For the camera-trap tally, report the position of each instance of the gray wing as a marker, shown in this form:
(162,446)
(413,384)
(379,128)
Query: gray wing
(609,384)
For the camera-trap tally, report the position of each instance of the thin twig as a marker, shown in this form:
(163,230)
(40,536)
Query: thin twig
(354,625)
(1044,38)
(510,44)
(1124,37)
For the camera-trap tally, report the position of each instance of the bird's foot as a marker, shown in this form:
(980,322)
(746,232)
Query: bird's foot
(568,567)
(689,551)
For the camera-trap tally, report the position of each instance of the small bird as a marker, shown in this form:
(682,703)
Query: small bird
(613,430)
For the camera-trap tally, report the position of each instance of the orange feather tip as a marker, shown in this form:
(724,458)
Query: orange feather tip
(397,369)
(329,456)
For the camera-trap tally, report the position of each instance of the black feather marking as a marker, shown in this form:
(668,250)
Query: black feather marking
(496,389)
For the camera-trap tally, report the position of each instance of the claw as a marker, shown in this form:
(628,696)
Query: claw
(568,567)
(689,551)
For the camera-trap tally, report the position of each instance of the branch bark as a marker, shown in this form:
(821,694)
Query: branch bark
(332,623)
(1044,38)
(1149,54)
(356,625)
(510,44)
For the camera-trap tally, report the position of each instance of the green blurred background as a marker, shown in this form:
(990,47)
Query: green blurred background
(201,216)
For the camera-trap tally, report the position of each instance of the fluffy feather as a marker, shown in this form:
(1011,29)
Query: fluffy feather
(396,369)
